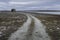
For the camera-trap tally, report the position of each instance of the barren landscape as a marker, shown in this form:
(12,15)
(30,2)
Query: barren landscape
(12,22)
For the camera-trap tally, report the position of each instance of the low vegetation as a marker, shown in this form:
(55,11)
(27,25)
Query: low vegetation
(52,24)
(10,23)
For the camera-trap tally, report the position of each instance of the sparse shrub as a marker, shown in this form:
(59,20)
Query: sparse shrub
(13,10)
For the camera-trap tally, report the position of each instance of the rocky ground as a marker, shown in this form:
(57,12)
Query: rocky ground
(52,23)
(10,23)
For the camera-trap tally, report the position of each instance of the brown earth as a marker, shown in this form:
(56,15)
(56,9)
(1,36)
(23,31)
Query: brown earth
(52,23)
(10,23)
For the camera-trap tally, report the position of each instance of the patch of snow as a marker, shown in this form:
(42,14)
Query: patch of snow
(58,28)
(50,29)
(0,32)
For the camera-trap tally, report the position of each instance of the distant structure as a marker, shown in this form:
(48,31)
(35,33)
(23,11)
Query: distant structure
(13,10)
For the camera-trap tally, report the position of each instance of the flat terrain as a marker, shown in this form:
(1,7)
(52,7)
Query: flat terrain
(10,22)
(52,23)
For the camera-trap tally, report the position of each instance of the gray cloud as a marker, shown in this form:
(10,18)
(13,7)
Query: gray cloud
(30,4)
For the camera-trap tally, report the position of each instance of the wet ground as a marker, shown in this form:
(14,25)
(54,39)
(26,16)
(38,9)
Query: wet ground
(9,23)
(52,23)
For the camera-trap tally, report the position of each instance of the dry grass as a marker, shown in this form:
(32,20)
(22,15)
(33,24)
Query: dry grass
(52,24)
(10,23)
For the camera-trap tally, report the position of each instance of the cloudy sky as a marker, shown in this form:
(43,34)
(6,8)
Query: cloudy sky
(30,4)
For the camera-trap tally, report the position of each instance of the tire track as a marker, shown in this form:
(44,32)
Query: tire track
(21,33)
(31,32)
(39,32)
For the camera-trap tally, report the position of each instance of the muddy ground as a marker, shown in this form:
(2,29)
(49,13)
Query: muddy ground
(52,23)
(9,23)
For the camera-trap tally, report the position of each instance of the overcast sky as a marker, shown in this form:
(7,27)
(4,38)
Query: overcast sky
(30,4)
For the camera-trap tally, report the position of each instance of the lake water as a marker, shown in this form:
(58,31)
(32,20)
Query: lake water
(56,13)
